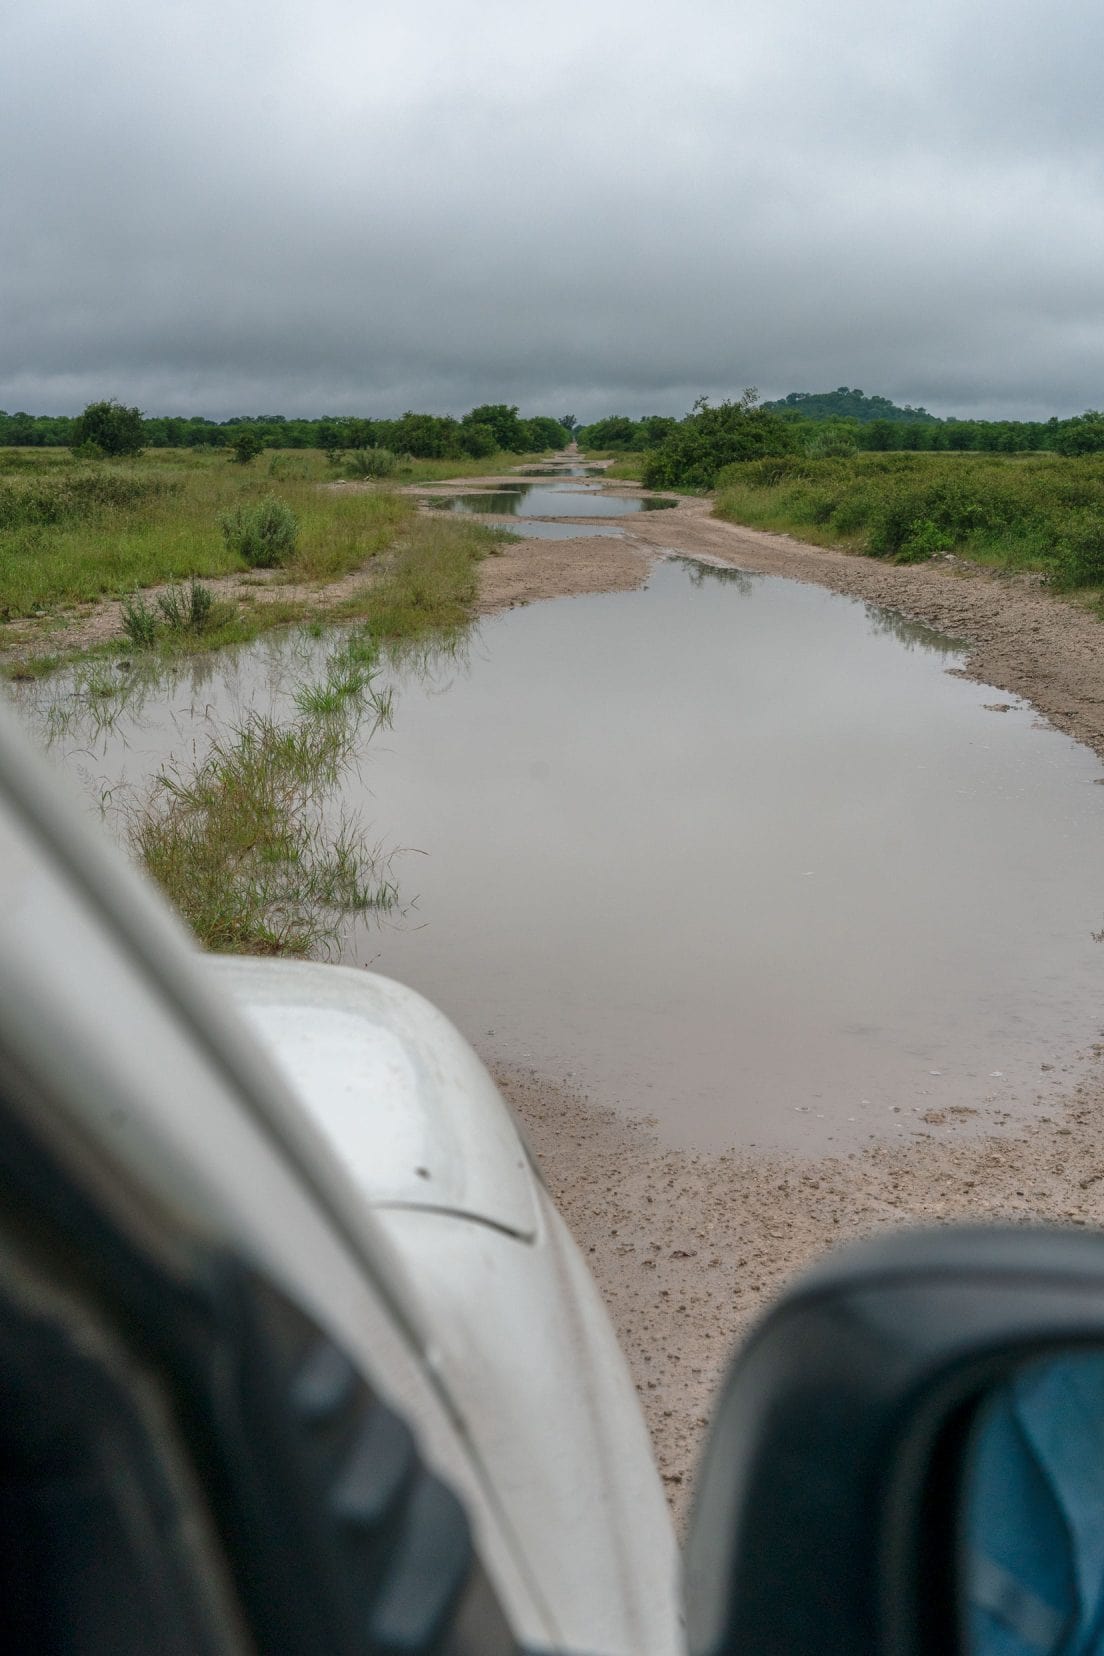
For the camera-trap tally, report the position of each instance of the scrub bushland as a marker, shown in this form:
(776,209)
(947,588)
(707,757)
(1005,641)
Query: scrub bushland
(1041,512)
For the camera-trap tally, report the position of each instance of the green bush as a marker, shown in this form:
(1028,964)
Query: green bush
(1079,553)
(264,535)
(246,446)
(114,429)
(709,439)
(370,463)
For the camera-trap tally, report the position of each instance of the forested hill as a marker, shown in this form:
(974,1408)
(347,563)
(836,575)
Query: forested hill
(847,404)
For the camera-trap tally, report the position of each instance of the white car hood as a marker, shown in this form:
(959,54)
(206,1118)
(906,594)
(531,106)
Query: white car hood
(393,1087)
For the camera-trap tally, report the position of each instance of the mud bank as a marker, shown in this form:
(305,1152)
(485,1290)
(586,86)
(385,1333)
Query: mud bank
(688,1249)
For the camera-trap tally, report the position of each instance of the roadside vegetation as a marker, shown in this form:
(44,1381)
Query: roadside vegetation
(74,531)
(836,479)
(1037,512)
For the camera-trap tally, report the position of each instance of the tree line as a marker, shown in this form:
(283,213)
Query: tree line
(112,428)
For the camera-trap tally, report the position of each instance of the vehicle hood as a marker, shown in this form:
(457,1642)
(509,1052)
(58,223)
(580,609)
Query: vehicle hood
(392,1085)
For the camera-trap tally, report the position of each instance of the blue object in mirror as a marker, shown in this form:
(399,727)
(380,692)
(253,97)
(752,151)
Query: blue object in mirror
(1032,1566)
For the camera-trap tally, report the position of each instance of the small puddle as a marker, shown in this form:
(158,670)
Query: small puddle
(553,500)
(730,852)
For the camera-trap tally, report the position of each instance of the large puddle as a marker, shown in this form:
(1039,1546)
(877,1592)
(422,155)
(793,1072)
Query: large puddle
(729,851)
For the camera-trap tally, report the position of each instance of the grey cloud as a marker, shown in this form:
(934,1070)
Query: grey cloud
(223,209)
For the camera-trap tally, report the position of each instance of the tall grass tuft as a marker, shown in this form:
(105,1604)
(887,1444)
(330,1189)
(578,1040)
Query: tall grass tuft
(186,610)
(247,842)
(139,622)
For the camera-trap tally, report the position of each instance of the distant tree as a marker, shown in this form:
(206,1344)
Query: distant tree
(1084,434)
(425,436)
(543,432)
(246,446)
(708,438)
(569,422)
(616,431)
(503,421)
(477,440)
(111,427)
(879,435)
(329,437)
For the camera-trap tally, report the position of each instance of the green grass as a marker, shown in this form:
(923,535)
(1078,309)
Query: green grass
(627,468)
(246,842)
(1037,512)
(73,533)
(428,582)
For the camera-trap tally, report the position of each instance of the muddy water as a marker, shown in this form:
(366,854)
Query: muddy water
(732,852)
(553,500)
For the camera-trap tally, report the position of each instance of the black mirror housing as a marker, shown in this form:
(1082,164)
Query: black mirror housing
(827,1515)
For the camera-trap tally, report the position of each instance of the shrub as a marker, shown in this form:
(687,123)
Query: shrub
(477,441)
(114,429)
(371,463)
(246,446)
(923,541)
(709,439)
(1079,553)
(264,535)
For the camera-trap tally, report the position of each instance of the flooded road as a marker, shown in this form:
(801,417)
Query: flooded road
(729,851)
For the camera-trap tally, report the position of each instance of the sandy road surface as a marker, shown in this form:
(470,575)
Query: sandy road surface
(688,1248)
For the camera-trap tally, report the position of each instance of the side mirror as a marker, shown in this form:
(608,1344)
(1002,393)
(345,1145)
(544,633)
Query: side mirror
(908,1457)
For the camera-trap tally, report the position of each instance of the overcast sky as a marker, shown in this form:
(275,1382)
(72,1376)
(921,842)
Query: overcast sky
(272,206)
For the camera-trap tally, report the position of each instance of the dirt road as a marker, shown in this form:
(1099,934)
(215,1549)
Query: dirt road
(688,1248)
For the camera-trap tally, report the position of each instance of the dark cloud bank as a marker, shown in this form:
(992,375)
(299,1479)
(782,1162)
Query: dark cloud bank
(259,209)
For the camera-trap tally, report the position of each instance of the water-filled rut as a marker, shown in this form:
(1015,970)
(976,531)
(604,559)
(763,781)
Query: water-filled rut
(728,851)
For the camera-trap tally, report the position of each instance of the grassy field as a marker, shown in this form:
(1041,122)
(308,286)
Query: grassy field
(72,533)
(1040,512)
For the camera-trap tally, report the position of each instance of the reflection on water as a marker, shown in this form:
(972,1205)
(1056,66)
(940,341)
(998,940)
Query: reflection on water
(555,500)
(720,849)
